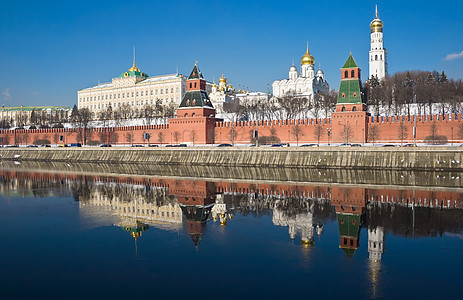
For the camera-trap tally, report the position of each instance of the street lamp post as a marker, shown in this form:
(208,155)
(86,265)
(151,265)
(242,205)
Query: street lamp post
(328,132)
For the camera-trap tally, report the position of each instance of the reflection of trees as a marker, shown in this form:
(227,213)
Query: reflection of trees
(420,221)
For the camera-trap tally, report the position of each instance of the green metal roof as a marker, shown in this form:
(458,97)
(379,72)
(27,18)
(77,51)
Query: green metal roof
(133,73)
(351,90)
(350,63)
(349,225)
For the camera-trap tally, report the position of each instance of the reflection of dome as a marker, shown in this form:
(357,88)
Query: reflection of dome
(376,25)
(307,58)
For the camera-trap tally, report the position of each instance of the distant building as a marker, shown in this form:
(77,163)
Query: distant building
(378,61)
(21,115)
(135,89)
(306,83)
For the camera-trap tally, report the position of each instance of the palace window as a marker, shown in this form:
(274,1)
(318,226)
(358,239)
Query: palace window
(346,74)
(172,90)
(141,93)
(376,57)
(167,90)
(352,73)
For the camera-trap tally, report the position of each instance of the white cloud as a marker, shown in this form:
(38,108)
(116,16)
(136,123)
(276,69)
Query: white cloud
(453,56)
(7,95)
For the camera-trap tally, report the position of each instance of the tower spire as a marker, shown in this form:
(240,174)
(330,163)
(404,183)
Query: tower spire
(376,11)
(134,55)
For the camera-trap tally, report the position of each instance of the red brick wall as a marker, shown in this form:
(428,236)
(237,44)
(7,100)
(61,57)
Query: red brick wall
(209,131)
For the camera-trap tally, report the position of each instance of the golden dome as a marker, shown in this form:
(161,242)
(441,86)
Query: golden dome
(376,25)
(307,58)
(223,79)
(134,68)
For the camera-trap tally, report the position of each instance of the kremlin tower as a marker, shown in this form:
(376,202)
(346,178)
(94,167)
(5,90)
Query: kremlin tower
(195,120)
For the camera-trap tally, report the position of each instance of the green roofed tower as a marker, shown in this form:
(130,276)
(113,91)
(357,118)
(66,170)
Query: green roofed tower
(350,88)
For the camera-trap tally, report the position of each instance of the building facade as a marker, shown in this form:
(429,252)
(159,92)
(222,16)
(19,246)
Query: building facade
(135,89)
(378,59)
(306,83)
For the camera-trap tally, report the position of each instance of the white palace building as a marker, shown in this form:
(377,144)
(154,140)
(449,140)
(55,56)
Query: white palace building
(306,83)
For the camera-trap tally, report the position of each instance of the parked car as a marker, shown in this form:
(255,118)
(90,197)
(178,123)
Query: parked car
(182,145)
(345,145)
(154,145)
(105,145)
(32,146)
(284,144)
(62,145)
(137,145)
(356,145)
(277,145)
(76,145)
(408,145)
(225,145)
(388,145)
(46,145)
(309,145)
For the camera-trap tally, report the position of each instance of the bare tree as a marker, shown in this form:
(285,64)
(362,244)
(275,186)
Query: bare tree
(293,105)
(403,132)
(318,131)
(81,119)
(373,133)
(129,138)
(194,136)
(347,133)
(297,131)
(161,137)
(176,137)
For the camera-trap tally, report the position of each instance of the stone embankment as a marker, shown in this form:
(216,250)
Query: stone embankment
(418,159)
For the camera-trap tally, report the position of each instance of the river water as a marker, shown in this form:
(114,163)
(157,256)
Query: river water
(95,231)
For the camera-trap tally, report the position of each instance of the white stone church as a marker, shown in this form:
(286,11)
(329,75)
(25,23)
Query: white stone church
(306,83)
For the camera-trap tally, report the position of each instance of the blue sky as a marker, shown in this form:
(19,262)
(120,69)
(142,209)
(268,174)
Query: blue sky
(51,49)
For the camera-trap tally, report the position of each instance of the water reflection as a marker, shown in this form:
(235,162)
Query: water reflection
(138,203)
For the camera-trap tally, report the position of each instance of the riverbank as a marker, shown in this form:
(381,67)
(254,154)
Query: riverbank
(366,158)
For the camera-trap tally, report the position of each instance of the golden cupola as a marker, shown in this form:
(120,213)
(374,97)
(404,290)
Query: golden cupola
(376,25)
(134,68)
(223,80)
(307,58)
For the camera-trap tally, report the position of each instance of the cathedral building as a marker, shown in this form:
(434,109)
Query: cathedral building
(306,83)
(378,60)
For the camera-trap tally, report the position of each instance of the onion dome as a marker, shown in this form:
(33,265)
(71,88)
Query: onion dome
(293,68)
(320,73)
(307,58)
(134,68)
(223,79)
(376,25)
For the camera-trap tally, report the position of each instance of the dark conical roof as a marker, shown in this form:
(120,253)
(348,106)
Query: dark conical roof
(196,73)
(196,99)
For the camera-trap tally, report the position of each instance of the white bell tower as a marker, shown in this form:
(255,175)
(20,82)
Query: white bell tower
(378,61)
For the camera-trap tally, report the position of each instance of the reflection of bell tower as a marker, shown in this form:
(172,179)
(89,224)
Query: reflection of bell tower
(375,249)
(376,243)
